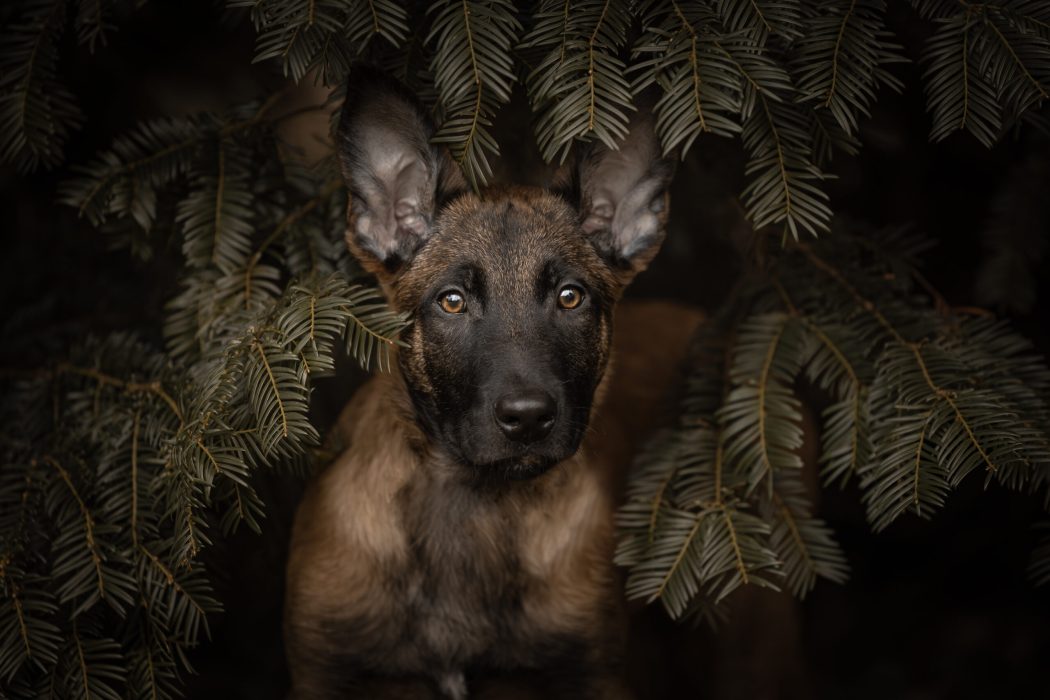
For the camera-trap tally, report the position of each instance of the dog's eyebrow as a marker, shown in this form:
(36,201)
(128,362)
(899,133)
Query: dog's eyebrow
(468,274)
(550,273)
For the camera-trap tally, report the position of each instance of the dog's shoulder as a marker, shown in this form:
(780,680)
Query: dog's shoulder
(344,515)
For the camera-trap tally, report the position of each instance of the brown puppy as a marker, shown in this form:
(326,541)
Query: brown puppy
(461,546)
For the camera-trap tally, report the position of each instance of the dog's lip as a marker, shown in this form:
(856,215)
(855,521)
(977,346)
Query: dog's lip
(519,468)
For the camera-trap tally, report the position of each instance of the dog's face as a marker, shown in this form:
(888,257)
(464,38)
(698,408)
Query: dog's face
(512,325)
(511,291)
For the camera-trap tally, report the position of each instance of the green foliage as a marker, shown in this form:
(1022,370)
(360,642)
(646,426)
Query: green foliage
(123,459)
(37,111)
(918,398)
(322,34)
(794,78)
(579,90)
(985,66)
(473,73)
(701,88)
(841,57)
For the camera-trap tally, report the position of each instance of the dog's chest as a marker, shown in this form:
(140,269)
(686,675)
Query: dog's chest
(466,596)
(462,583)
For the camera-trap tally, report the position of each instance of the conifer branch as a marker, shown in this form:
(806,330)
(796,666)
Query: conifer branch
(288,221)
(945,395)
(279,402)
(865,304)
(89,522)
(104,379)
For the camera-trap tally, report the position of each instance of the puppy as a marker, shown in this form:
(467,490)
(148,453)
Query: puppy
(461,545)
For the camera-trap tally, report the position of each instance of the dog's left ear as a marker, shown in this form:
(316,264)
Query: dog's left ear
(623,198)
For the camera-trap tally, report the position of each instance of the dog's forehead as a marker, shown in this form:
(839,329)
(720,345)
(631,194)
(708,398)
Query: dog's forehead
(510,235)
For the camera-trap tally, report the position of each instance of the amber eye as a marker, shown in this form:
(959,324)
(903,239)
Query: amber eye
(452,303)
(570,297)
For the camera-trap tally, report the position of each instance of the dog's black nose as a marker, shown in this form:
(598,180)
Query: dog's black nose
(526,417)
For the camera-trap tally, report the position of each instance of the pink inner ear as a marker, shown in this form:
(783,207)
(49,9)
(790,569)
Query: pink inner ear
(408,217)
(600,216)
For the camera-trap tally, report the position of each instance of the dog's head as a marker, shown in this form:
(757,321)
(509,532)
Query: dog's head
(511,291)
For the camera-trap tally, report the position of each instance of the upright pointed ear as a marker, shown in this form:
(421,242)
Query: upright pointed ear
(623,198)
(395,176)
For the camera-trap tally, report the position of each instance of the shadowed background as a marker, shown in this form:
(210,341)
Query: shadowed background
(933,609)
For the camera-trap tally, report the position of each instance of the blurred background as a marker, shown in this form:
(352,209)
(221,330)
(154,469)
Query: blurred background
(938,609)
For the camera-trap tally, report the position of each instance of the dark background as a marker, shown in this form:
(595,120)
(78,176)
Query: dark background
(937,609)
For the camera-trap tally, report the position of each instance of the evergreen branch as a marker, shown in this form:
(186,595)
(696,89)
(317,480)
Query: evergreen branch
(841,57)
(740,566)
(780,160)
(838,277)
(172,580)
(23,630)
(834,419)
(87,202)
(89,522)
(125,178)
(37,112)
(763,409)
(697,75)
(135,478)
(131,387)
(92,23)
(804,544)
(832,347)
(796,535)
(679,558)
(760,415)
(1038,86)
(694,67)
(758,19)
(940,393)
(836,52)
(273,384)
(217,214)
(473,72)
(578,90)
(305,35)
(918,462)
(289,220)
(986,67)
(80,659)
(783,176)
(591,52)
(96,661)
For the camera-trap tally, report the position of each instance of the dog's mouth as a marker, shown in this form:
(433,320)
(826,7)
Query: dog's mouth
(524,464)
(523,468)
(486,455)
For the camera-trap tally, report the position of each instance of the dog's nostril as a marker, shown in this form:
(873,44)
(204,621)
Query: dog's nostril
(527,416)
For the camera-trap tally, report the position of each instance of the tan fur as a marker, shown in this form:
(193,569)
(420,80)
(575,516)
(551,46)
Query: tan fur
(447,549)
(347,533)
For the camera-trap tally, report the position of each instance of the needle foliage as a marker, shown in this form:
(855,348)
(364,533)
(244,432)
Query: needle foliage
(126,455)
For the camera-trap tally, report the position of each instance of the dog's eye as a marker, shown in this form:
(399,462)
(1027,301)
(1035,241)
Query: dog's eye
(570,296)
(452,303)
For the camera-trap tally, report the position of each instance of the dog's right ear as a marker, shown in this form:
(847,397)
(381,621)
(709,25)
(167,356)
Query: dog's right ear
(395,176)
